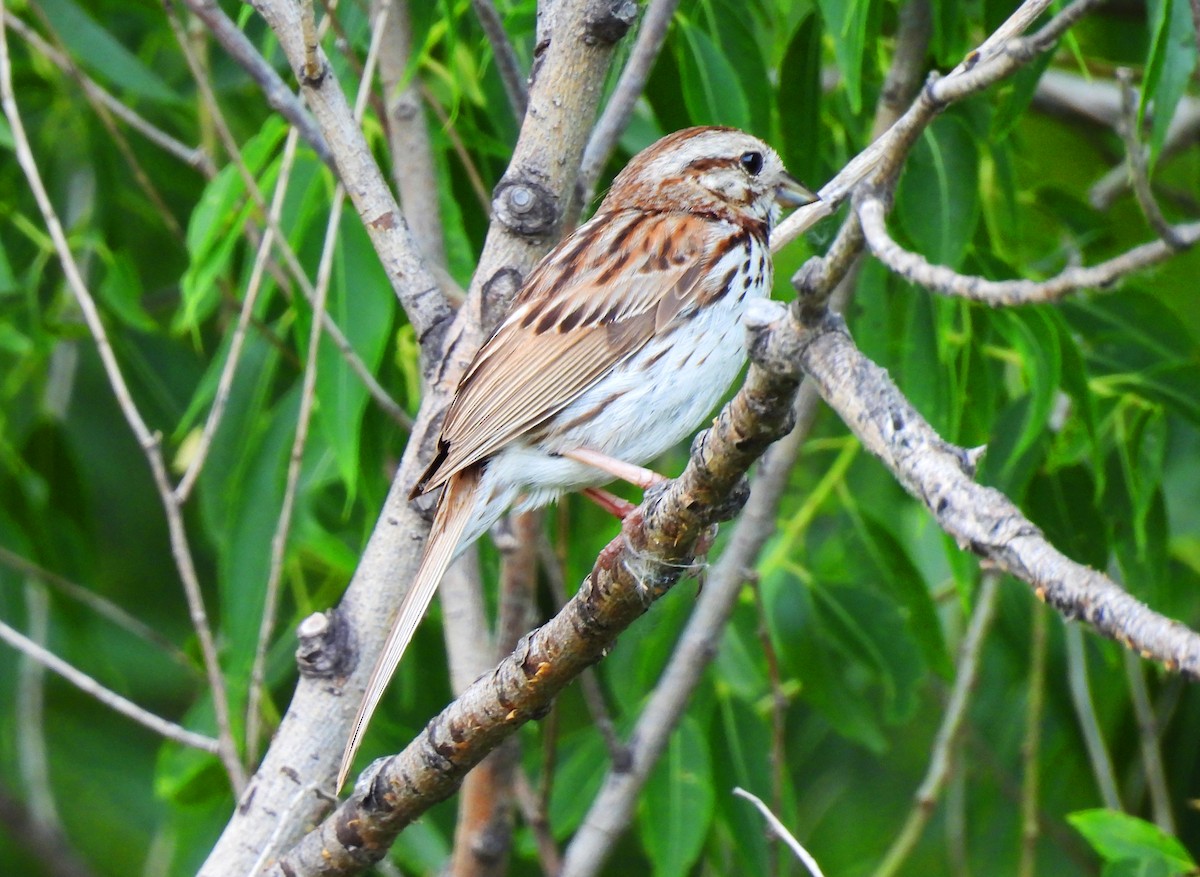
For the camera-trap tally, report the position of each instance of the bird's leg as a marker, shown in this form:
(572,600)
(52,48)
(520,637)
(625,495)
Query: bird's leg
(612,504)
(636,475)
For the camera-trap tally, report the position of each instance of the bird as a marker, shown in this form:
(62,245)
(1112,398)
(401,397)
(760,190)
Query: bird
(617,346)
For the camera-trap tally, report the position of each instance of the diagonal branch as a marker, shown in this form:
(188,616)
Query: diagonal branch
(995,59)
(279,97)
(656,548)
(106,696)
(418,290)
(506,58)
(981,519)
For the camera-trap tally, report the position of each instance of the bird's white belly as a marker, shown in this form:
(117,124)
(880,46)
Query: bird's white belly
(644,411)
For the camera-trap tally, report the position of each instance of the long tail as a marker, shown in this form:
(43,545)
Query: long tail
(453,511)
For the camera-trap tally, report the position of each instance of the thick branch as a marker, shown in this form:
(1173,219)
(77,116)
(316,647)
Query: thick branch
(652,33)
(563,99)
(656,547)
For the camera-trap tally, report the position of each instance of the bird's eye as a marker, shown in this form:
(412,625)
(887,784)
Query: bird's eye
(752,162)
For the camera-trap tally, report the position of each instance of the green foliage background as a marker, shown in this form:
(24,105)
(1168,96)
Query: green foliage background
(831,679)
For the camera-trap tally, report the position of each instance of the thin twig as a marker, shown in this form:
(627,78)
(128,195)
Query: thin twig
(995,59)
(140,177)
(44,843)
(303,420)
(225,382)
(781,830)
(381,397)
(779,710)
(31,715)
(1089,722)
(944,743)
(539,825)
(1149,741)
(413,283)
(1031,746)
(506,58)
(101,606)
(1137,158)
(652,33)
(109,698)
(149,442)
(193,156)
(279,97)
(482,192)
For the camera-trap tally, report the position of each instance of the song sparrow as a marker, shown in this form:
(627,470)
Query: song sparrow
(619,344)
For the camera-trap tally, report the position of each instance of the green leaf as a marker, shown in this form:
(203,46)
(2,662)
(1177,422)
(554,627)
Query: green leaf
(743,759)
(1032,335)
(1139,868)
(1061,505)
(214,228)
(894,569)
(820,658)
(675,811)
(582,764)
(846,22)
(1135,344)
(244,564)
(121,291)
(800,96)
(1116,836)
(710,84)
(938,199)
(423,848)
(1011,460)
(361,303)
(8,280)
(739,46)
(1016,94)
(1169,66)
(98,51)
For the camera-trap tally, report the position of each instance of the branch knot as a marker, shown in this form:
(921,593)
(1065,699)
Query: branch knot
(525,207)
(607,21)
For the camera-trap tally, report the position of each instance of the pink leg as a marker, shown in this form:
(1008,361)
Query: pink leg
(614,505)
(636,475)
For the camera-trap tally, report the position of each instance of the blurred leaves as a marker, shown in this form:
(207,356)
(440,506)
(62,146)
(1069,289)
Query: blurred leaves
(829,682)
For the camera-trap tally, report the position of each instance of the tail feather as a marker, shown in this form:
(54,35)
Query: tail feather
(453,511)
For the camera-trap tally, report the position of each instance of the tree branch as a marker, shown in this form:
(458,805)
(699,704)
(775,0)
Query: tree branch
(338,655)
(655,549)
(106,696)
(506,59)
(652,33)
(946,281)
(418,290)
(279,97)
(981,519)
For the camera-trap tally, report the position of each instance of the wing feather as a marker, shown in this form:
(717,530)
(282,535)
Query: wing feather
(531,369)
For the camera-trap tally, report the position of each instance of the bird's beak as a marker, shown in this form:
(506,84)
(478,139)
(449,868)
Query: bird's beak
(793,193)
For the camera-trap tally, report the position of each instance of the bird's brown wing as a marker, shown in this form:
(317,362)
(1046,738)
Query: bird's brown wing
(594,301)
